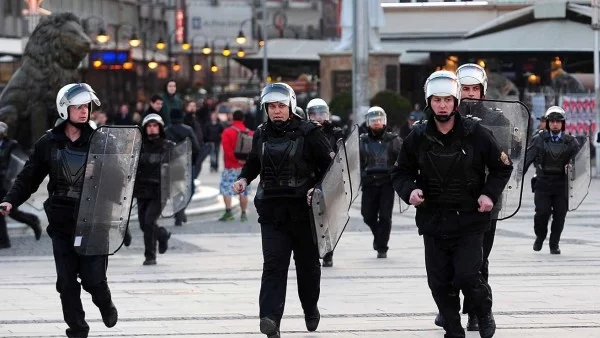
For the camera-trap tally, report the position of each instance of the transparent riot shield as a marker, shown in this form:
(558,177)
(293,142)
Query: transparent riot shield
(176,179)
(17,161)
(403,206)
(509,122)
(579,176)
(353,157)
(15,165)
(106,196)
(330,203)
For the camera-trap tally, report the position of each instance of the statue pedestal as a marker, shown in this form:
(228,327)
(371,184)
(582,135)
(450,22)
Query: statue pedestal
(336,73)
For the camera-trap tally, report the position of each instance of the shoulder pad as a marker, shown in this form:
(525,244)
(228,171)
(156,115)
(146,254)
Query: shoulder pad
(306,127)
(419,126)
(420,122)
(363,136)
(390,135)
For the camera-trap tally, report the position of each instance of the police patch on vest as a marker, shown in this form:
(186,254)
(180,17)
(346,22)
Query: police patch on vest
(504,158)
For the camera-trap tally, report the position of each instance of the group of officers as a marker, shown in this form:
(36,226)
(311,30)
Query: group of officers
(450,168)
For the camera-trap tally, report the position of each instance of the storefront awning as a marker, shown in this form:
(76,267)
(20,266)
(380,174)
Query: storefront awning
(309,50)
(540,36)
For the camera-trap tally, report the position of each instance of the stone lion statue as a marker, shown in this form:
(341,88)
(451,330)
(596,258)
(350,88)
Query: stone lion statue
(50,61)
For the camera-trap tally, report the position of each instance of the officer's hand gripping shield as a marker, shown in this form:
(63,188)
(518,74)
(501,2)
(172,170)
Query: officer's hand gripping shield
(331,200)
(176,179)
(106,197)
(509,122)
(579,176)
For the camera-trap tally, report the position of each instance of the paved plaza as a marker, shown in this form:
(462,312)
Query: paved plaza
(207,284)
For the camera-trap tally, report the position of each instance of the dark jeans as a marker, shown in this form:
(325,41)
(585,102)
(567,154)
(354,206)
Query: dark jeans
(148,214)
(454,264)
(92,272)
(278,243)
(555,203)
(214,155)
(377,206)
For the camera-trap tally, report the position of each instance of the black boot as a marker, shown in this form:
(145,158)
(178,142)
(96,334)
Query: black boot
(127,238)
(472,323)
(439,320)
(163,240)
(269,327)
(110,315)
(537,245)
(487,325)
(555,249)
(36,226)
(312,319)
(328,260)
(381,254)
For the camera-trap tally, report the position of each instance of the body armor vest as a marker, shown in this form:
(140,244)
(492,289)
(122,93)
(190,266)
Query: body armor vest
(447,175)
(150,164)
(377,154)
(68,165)
(284,172)
(555,157)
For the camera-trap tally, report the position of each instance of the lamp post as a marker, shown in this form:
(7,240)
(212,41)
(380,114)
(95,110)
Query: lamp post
(596,28)
(193,66)
(265,70)
(101,36)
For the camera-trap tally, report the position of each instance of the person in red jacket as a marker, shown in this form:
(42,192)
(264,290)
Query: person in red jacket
(233,167)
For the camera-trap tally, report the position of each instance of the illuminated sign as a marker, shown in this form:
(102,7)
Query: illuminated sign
(179,26)
(110,59)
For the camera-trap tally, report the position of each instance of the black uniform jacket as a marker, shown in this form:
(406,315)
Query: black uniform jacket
(486,154)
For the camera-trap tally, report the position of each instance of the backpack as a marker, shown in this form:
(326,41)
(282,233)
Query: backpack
(243,144)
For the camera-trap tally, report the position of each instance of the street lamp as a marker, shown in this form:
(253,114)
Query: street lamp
(206,49)
(241,53)
(226,51)
(160,44)
(102,37)
(241,38)
(152,64)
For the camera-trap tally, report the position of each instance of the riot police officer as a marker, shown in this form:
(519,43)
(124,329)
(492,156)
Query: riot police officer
(61,153)
(318,111)
(291,155)
(7,147)
(551,151)
(155,148)
(473,85)
(441,170)
(378,151)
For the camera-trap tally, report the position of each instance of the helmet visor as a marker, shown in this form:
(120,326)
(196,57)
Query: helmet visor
(79,94)
(376,119)
(276,93)
(318,113)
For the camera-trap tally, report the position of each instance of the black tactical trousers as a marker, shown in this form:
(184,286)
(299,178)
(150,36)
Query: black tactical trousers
(488,242)
(4,240)
(550,202)
(377,205)
(279,240)
(148,213)
(92,272)
(23,217)
(454,264)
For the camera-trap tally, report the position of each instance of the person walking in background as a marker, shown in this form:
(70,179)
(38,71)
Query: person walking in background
(170,101)
(212,136)
(233,166)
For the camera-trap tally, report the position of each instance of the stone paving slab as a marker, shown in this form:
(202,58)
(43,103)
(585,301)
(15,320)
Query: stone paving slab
(213,291)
